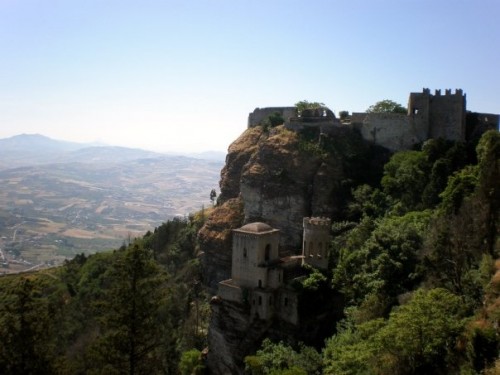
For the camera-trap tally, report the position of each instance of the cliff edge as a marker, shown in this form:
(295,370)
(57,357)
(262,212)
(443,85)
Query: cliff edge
(279,176)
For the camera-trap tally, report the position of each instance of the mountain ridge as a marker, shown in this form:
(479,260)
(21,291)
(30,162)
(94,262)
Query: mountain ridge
(37,149)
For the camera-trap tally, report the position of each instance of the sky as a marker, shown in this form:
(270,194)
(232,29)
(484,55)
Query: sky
(182,75)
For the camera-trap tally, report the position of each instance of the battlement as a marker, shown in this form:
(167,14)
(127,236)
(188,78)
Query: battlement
(437,92)
(317,223)
(429,116)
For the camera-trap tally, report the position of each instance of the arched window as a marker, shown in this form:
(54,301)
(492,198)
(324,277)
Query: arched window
(311,249)
(260,283)
(267,252)
(286,301)
(320,249)
(260,301)
(244,252)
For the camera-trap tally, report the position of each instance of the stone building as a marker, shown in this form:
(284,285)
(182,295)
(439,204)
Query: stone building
(429,116)
(261,279)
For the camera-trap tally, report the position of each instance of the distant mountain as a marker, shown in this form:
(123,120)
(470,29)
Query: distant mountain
(60,198)
(36,143)
(35,149)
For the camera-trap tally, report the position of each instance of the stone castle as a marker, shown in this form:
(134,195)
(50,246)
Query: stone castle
(261,279)
(429,116)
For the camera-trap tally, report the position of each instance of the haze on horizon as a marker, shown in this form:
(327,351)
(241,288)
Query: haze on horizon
(182,75)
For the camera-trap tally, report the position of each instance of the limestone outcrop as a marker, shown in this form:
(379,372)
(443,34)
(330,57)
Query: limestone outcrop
(274,176)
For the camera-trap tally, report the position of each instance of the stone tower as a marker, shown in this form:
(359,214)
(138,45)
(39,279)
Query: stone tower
(255,251)
(438,116)
(316,241)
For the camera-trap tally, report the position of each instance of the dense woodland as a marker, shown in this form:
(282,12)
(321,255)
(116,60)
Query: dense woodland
(414,254)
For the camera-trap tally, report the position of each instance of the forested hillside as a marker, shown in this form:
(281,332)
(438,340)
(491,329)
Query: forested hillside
(133,310)
(415,256)
(416,259)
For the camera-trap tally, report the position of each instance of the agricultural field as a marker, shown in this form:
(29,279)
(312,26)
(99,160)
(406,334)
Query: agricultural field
(51,212)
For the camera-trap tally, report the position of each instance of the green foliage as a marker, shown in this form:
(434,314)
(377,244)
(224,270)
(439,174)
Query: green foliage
(25,329)
(405,177)
(273,120)
(131,315)
(420,336)
(386,106)
(283,359)
(352,350)
(460,186)
(484,346)
(488,192)
(367,201)
(304,104)
(314,281)
(191,363)
(115,312)
(432,220)
(381,256)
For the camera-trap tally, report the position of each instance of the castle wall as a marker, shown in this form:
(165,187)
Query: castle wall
(275,278)
(390,130)
(438,115)
(259,114)
(288,306)
(325,126)
(262,304)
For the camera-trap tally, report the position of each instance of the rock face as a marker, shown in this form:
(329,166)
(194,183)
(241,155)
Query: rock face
(276,176)
(232,336)
(271,176)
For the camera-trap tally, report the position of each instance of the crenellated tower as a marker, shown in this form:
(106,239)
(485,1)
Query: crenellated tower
(316,241)
(438,115)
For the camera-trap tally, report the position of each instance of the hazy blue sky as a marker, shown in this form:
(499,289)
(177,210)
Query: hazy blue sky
(182,75)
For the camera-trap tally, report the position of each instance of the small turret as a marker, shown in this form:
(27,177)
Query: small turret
(316,241)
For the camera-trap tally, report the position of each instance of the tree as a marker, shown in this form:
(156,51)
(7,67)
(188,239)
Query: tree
(420,335)
(281,359)
(132,325)
(213,196)
(405,178)
(352,350)
(384,260)
(191,363)
(386,106)
(25,324)
(304,104)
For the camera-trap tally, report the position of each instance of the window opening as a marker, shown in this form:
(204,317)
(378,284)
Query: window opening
(267,252)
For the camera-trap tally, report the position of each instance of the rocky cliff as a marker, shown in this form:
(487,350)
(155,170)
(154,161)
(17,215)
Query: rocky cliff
(279,176)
